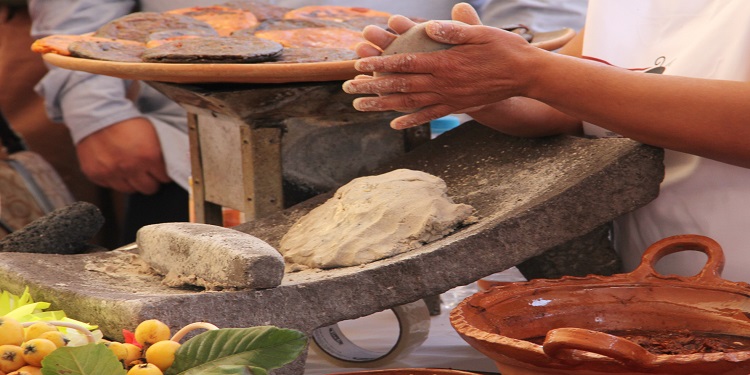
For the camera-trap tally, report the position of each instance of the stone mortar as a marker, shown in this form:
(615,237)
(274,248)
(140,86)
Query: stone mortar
(530,194)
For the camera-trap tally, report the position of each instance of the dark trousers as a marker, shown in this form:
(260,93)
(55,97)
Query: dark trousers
(168,205)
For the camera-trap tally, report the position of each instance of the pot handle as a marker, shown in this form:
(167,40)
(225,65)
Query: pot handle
(686,242)
(560,341)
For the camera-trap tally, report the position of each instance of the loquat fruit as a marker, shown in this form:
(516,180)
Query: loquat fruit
(11,358)
(161,353)
(33,331)
(145,369)
(57,337)
(151,331)
(35,350)
(11,331)
(27,370)
(134,353)
(121,352)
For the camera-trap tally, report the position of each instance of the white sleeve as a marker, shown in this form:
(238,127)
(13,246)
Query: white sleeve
(84,102)
(539,15)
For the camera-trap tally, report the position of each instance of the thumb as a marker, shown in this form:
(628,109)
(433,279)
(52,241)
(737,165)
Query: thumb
(453,32)
(465,13)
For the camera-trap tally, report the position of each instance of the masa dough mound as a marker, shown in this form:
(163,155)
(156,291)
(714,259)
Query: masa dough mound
(373,218)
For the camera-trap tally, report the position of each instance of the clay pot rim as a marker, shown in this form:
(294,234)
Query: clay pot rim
(415,371)
(643,277)
(462,326)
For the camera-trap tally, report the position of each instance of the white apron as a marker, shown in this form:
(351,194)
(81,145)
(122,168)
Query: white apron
(695,38)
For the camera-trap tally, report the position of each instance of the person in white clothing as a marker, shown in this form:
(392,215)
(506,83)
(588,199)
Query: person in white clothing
(695,106)
(538,15)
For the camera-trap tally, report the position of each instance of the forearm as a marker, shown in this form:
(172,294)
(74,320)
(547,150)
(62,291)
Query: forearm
(524,117)
(709,118)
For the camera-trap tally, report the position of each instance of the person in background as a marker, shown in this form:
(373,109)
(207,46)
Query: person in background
(425,9)
(538,15)
(649,70)
(128,136)
(20,70)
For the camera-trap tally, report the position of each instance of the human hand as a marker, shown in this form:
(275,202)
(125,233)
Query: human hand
(461,12)
(125,156)
(485,65)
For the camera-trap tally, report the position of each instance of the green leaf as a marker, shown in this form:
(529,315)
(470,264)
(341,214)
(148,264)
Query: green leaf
(211,352)
(91,359)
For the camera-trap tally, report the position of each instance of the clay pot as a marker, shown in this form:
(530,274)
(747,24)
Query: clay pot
(564,326)
(408,371)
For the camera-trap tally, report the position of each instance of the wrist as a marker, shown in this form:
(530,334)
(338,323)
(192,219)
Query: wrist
(537,70)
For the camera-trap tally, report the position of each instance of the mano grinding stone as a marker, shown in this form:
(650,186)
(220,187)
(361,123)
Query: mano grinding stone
(210,256)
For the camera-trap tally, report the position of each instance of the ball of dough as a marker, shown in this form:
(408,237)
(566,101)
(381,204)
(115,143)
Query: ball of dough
(373,218)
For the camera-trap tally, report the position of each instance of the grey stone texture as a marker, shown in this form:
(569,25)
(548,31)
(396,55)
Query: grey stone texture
(531,195)
(210,256)
(592,253)
(66,230)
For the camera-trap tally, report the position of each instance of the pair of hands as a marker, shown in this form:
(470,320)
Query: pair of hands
(484,66)
(125,156)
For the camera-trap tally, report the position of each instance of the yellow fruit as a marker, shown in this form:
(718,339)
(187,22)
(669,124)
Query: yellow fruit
(134,353)
(27,370)
(151,331)
(11,358)
(145,369)
(33,331)
(35,350)
(121,352)
(57,337)
(11,331)
(161,353)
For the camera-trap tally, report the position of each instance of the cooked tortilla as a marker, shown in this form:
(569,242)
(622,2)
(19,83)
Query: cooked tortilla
(319,37)
(223,19)
(214,50)
(333,12)
(139,25)
(59,43)
(107,50)
(262,10)
(313,55)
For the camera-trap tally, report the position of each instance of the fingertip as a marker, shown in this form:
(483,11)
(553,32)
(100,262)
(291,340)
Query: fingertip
(466,13)
(405,122)
(449,32)
(357,104)
(364,65)
(366,49)
(400,24)
(378,36)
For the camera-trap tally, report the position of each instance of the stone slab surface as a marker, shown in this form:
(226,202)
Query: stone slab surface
(530,195)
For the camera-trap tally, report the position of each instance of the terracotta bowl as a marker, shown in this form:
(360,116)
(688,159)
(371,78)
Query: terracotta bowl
(579,325)
(408,371)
